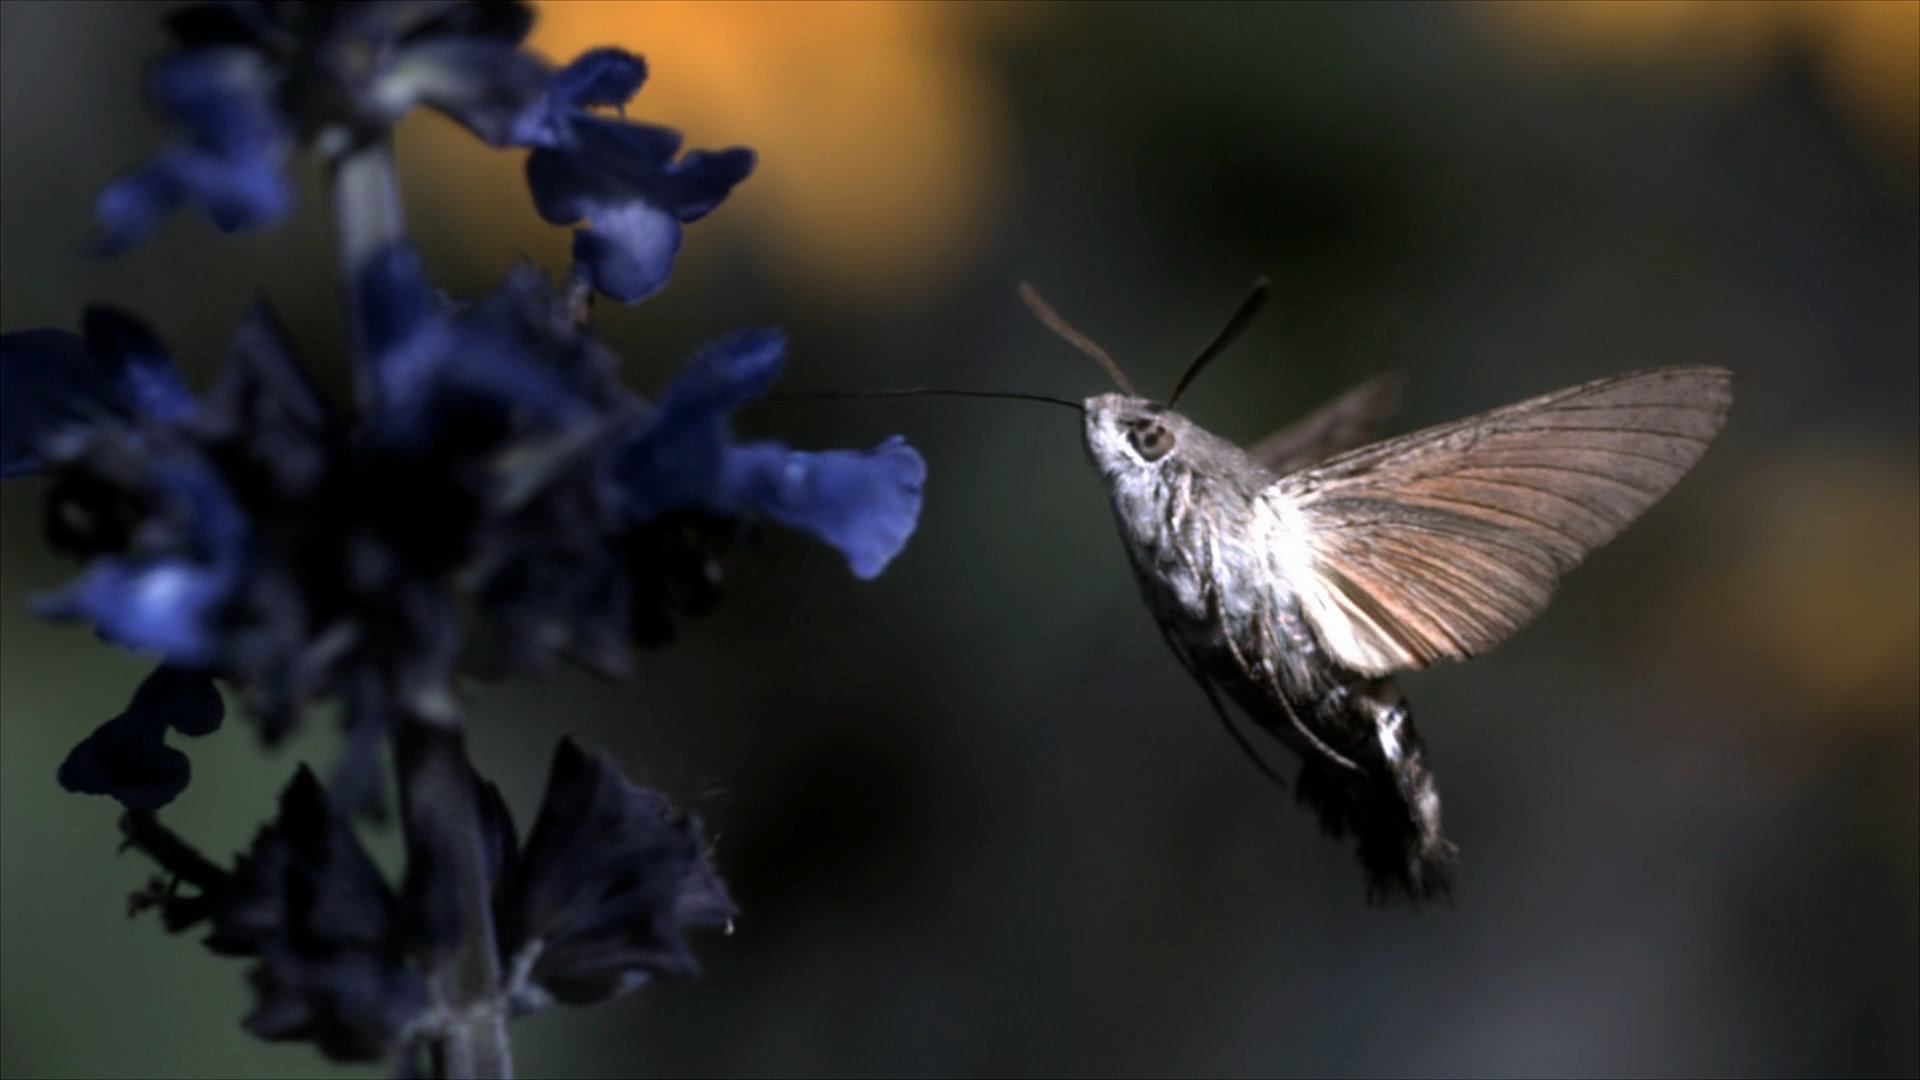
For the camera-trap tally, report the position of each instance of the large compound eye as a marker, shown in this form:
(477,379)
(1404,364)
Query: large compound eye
(1150,438)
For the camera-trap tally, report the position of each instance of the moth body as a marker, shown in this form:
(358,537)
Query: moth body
(1214,553)
(1295,576)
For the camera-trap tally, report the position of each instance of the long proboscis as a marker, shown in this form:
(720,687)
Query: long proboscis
(931,391)
(1235,325)
(1044,311)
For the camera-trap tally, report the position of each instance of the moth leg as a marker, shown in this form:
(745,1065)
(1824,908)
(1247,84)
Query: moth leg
(1299,725)
(1219,709)
(1266,677)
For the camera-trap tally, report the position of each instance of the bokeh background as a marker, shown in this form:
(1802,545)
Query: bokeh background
(979,820)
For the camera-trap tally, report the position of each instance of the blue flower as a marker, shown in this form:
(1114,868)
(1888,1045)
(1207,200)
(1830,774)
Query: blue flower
(53,381)
(864,503)
(232,163)
(610,880)
(290,549)
(166,595)
(622,178)
(251,81)
(128,757)
(430,366)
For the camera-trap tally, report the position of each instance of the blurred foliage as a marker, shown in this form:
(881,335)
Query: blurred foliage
(977,817)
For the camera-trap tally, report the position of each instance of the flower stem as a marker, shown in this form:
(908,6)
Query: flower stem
(448,882)
(367,220)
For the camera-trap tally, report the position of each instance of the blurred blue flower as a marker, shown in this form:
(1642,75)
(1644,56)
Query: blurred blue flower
(864,503)
(261,536)
(231,164)
(53,381)
(431,365)
(128,757)
(165,595)
(621,177)
(293,550)
(252,79)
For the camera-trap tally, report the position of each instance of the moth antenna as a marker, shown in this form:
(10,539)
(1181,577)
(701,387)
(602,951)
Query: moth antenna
(1078,340)
(927,391)
(1256,298)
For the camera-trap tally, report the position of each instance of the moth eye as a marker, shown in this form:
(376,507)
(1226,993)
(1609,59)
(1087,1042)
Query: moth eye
(1152,440)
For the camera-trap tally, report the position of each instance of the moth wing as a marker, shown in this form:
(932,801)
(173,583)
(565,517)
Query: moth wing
(1442,543)
(1340,424)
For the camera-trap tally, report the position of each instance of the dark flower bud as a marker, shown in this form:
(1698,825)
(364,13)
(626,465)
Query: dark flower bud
(611,879)
(128,757)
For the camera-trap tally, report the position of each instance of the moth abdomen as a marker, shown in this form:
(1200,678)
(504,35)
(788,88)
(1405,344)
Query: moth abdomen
(1365,771)
(1388,802)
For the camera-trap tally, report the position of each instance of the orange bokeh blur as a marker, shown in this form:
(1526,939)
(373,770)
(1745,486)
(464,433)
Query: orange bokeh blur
(884,144)
(1867,50)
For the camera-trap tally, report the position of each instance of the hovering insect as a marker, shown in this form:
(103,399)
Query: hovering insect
(1295,576)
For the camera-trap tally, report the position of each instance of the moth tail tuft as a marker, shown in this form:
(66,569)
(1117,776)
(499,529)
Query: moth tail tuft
(1402,859)
(1390,808)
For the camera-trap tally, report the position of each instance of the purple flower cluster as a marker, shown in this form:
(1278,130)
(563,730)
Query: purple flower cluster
(261,536)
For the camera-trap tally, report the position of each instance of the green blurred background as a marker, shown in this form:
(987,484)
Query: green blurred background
(979,820)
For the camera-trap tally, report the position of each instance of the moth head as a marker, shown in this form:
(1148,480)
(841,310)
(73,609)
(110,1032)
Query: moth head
(1127,434)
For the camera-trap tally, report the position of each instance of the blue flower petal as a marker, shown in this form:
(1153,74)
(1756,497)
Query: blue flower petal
(130,208)
(160,607)
(133,357)
(428,360)
(224,96)
(239,193)
(596,78)
(488,87)
(865,503)
(599,77)
(233,164)
(48,381)
(128,758)
(702,179)
(628,252)
(51,379)
(396,302)
(619,177)
(725,375)
(168,605)
(674,460)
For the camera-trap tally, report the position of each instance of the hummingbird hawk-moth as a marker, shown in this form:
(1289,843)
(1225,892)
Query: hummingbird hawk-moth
(1295,576)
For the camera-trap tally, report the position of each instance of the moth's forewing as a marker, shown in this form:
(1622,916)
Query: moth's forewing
(1340,424)
(1441,543)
